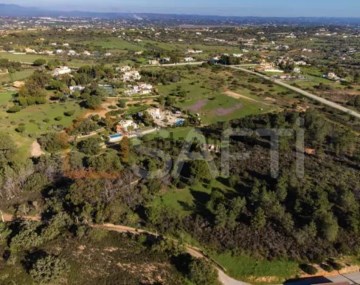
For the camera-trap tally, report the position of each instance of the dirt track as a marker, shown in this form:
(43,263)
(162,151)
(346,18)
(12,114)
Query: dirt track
(193,251)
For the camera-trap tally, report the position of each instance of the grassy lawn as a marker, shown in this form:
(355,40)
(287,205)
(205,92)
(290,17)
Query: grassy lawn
(5,97)
(253,270)
(187,200)
(19,75)
(23,57)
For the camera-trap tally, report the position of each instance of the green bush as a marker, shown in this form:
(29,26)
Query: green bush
(20,129)
(334,264)
(39,62)
(48,269)
(69,113)
(308,269)
(14,109)
(327,267)
(202,272)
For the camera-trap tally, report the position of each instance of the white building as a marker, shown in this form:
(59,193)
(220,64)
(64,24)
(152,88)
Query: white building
(131,76)
(72,53)
(30,50)
(332,76)
(300,63)
(141,89)
(154,62)
(189,59)
(194,51)
(61,71)
(76,88)
(126,125)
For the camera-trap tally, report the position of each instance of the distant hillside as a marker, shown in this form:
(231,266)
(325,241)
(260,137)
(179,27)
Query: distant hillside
(10,10)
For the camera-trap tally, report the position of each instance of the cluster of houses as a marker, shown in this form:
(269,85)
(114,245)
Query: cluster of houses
(130,75)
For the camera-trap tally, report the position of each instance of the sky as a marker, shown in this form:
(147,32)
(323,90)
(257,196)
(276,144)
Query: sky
(282,8)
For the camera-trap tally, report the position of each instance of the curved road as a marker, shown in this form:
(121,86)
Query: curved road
(299,91)
(193,251)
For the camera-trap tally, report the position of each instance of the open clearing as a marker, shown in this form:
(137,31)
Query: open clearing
(36,119)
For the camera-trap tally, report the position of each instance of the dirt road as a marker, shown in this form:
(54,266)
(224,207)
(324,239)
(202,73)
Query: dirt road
(240,96)
(193,251)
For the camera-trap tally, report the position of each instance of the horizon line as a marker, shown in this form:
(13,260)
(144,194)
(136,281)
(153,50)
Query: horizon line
(62,10)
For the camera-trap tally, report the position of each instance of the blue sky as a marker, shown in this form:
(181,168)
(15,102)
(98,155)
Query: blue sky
(321,8)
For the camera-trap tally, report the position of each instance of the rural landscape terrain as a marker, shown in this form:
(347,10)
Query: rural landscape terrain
(174,149)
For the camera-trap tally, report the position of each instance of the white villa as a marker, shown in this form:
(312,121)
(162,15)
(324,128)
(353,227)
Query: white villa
(189,59)
(142,89)
(61,71)
(131,76)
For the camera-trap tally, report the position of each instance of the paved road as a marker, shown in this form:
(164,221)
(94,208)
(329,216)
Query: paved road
(350,278)
(193,251)
(299,91)
(175,64)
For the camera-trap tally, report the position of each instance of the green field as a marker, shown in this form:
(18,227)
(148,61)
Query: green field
(30,58)
(214,106)
(19,75)
(37,119)
(115,44)
(184,200)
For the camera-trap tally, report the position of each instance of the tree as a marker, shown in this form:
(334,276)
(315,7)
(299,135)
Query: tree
(203,273)
(7,149)
(93,102)
(199,170)
(122,103)
(48,269)
(220,216)
(39,62)
(53,142)
(125,149)
(90,146)
(259,219)
(328,226)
